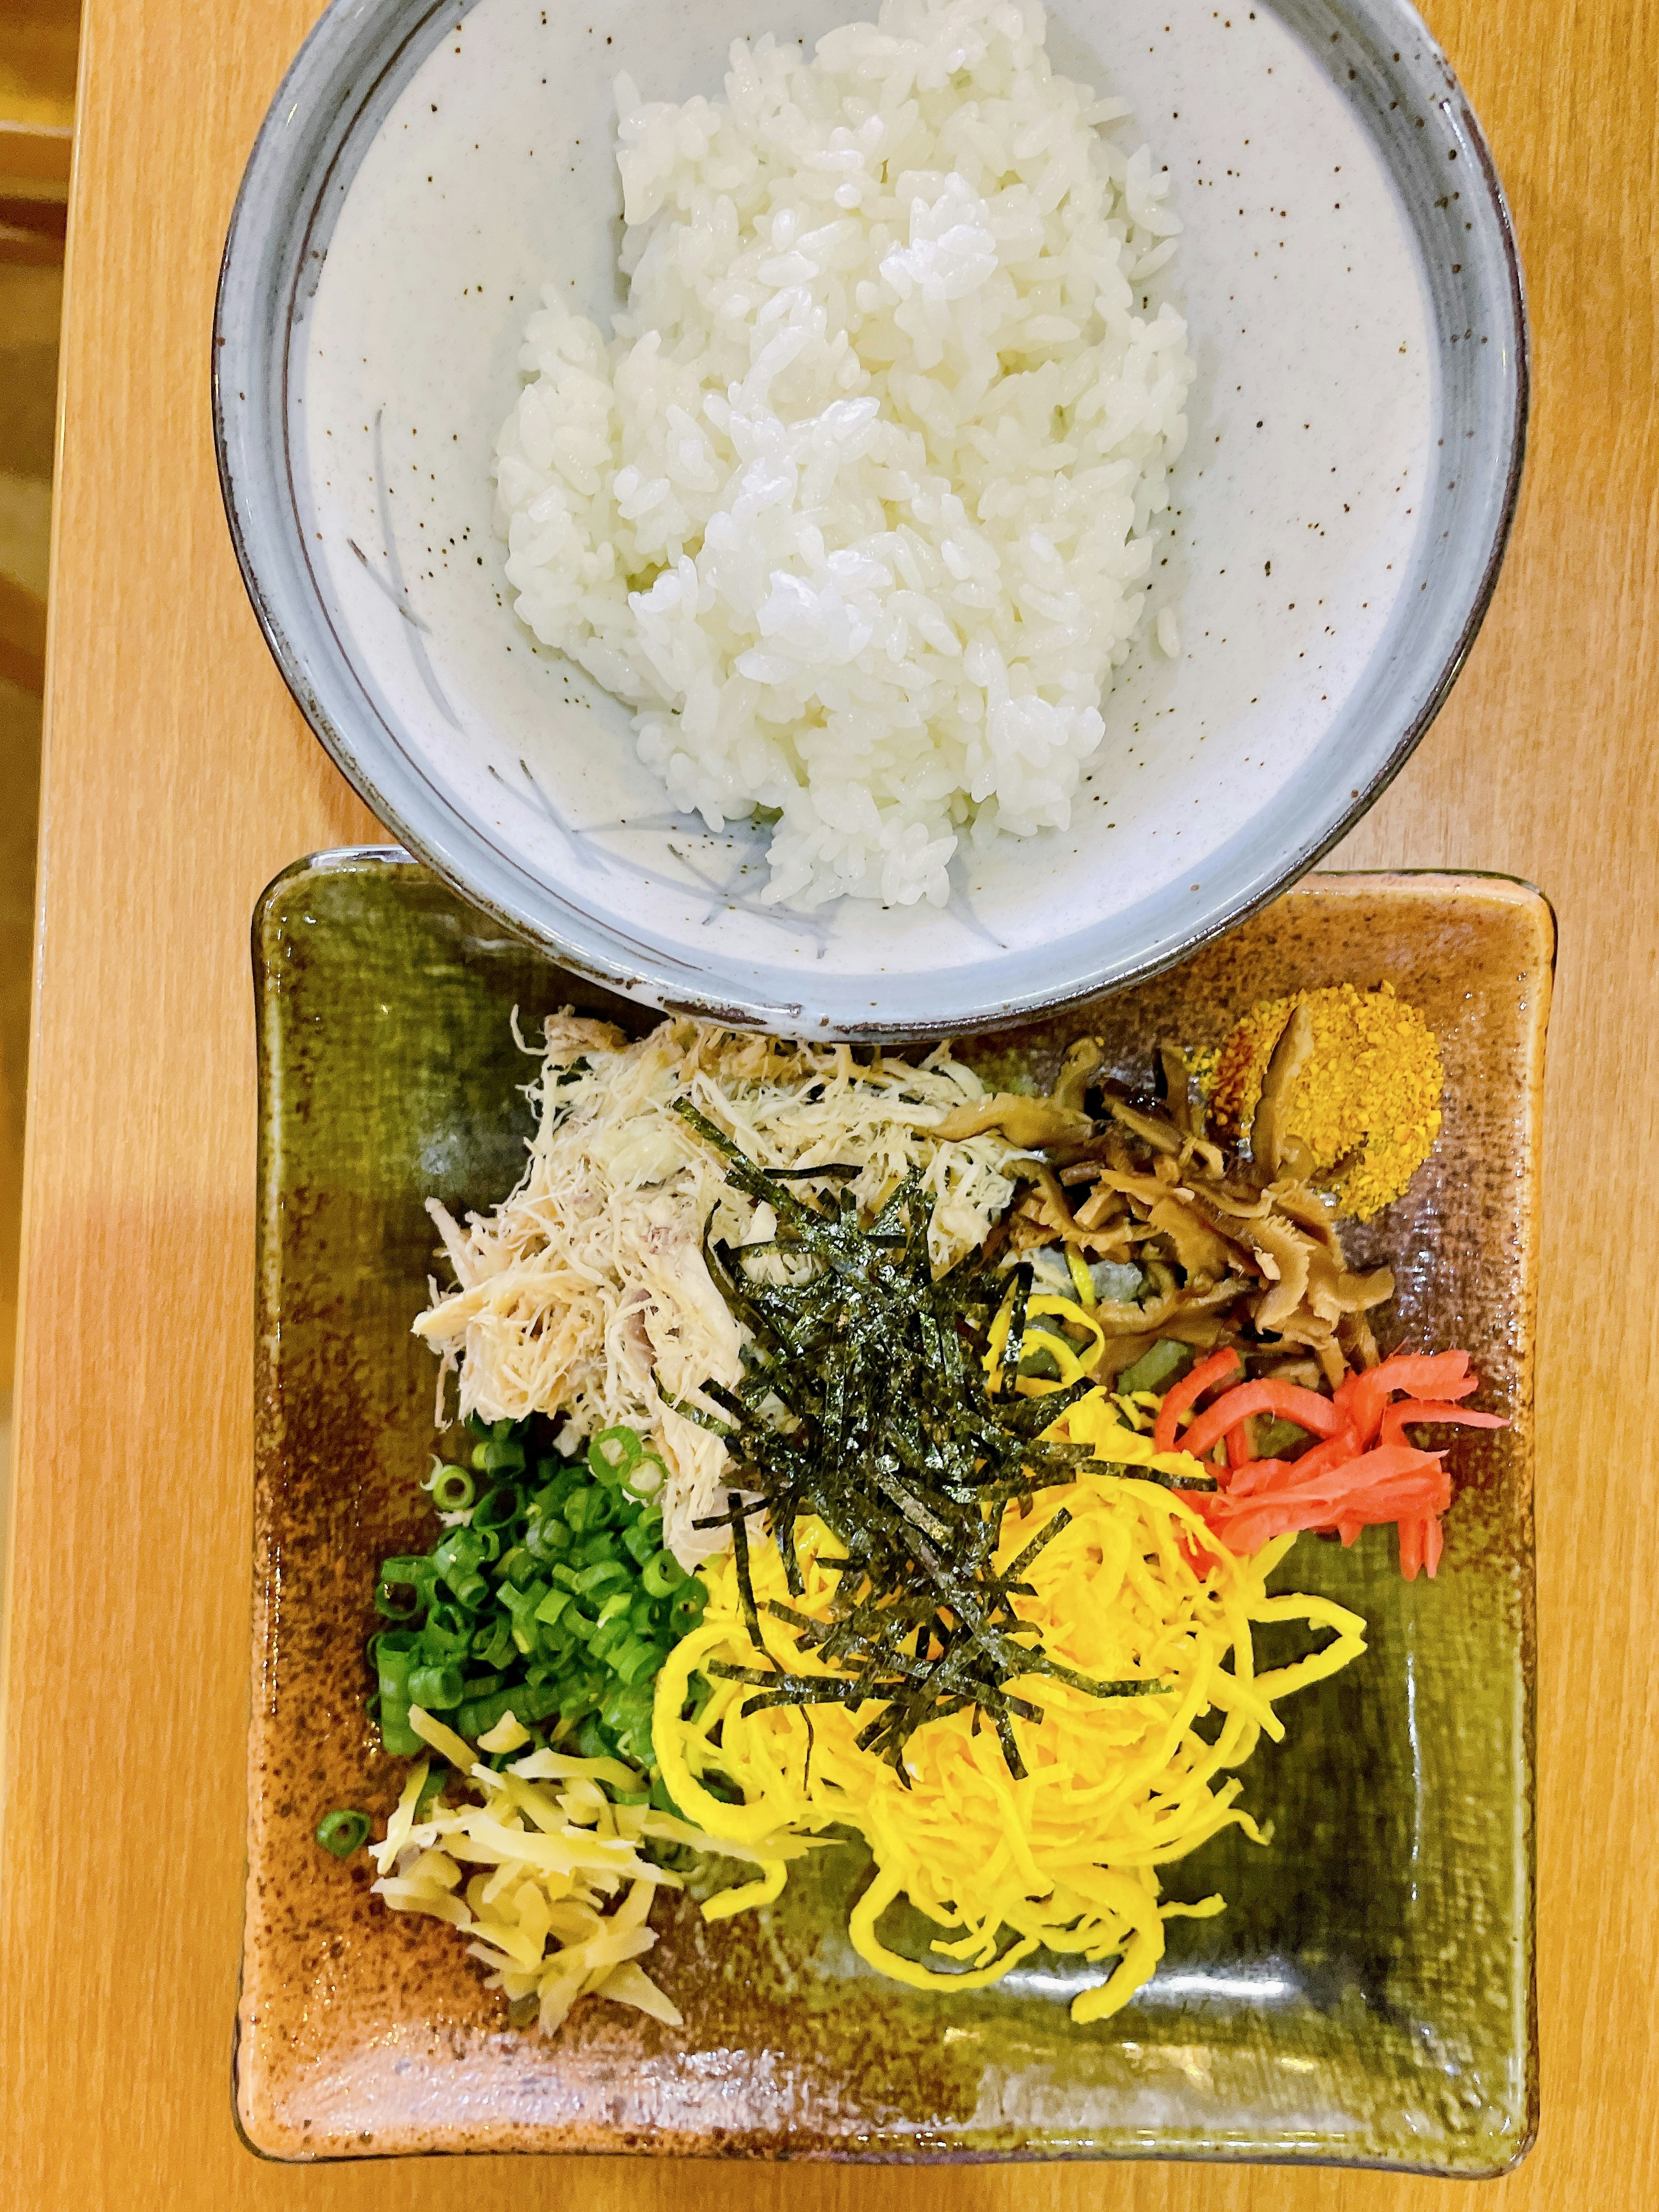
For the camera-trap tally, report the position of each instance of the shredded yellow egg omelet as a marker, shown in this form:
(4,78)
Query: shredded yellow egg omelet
(1115,1788)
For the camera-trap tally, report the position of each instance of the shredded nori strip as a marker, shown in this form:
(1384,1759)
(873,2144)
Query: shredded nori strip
(865,1403)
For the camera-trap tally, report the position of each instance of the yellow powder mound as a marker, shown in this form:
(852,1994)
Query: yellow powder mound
(1367,1105)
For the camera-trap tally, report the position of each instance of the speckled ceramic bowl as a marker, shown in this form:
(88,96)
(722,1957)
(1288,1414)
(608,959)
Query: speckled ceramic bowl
(1351,283)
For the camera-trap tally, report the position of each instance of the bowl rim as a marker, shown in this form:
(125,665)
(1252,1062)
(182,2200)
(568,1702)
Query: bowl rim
(759,1010)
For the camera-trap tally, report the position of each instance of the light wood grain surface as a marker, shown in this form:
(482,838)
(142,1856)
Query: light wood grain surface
(179,778)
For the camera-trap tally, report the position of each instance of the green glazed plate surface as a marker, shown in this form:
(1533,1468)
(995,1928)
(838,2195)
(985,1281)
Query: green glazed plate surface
(1366,1998)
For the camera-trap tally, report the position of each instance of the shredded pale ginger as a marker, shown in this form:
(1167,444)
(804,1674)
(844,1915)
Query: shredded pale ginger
(1114,1787)
(558,1908)
(585,1292)
(1367,1104)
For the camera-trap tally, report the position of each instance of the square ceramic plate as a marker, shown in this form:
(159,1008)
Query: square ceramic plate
(1367,1997)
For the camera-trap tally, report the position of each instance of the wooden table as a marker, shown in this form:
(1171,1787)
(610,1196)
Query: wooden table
(179,778)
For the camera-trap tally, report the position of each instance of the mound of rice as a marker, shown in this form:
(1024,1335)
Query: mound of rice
(855,508)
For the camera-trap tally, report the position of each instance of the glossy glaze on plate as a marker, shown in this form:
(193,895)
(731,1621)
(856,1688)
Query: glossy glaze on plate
(1350,281)
(1368,1995)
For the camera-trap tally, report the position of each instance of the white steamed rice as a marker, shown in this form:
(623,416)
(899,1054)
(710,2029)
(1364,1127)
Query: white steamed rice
(856,507)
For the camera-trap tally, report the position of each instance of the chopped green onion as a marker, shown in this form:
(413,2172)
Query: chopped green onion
(499,1510)
(416,1572)
(552,1597)
(586,1509)
(687,1609)
(643,1539)
(663,1574)
(492,1645)
(589,1743)
(547,1536)
(614,1454)
(499,1453)
(648,1477)
(628,1663)
(458,1559)
(437,1688)
(517,1568)
(626,1706)
(398,1738)
(606,1575)
(448,1633)
(451,1488)
(550,1498)
(415,1575)
(520,1603)
(343,1831)
(393,1653)
(479,1715)
(555,1641)
(612,1635)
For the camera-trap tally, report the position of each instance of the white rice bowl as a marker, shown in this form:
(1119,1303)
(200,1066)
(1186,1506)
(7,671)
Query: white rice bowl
(857,507)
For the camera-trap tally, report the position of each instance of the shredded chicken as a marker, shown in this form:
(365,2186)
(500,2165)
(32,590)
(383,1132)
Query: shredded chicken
(586,1294)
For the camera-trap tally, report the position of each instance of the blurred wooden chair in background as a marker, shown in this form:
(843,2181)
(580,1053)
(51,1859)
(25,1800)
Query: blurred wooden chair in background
(39,41)
(23,635)
(38,44)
